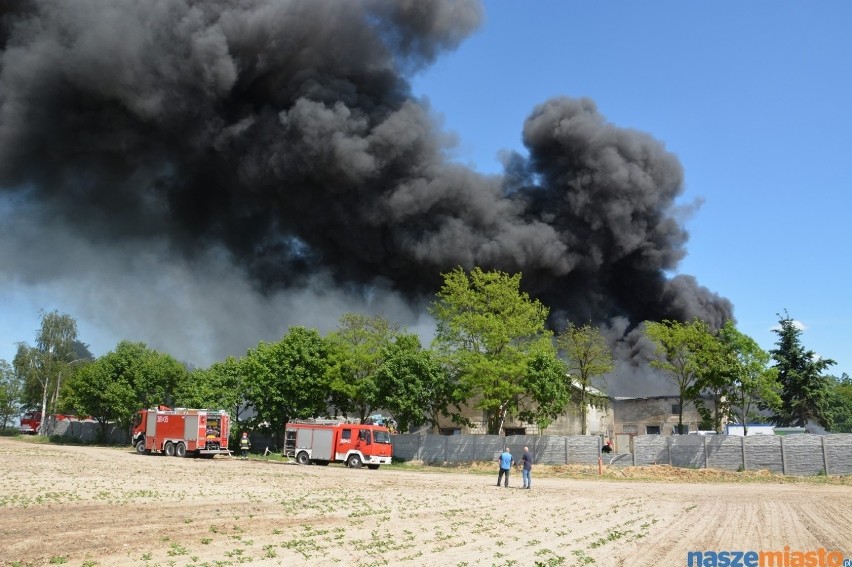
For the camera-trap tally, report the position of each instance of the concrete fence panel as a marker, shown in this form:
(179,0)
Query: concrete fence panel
(551,450)
(687,451)
(803,454)
(406,447)
(724,452)
(763,452)
(838,451)
(433,448)
(651,450)
(582,449)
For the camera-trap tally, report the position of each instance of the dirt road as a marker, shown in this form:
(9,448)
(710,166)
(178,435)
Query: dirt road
(103,506)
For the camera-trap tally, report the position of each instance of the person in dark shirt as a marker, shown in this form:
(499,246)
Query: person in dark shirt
(527,461)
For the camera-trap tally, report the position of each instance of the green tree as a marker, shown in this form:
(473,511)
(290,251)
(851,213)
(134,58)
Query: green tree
(587,356)
(751,383)
(42,365)
(288,379)
(100,390)
(841,404)
(11,389)
(545,391)
(124,380)
(487,332)
(804,388)
(356,351)
(221,386)
(414,387)
(681,353)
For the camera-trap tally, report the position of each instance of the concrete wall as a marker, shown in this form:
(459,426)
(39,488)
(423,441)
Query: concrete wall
(793,454)
(87,431)
(633,415)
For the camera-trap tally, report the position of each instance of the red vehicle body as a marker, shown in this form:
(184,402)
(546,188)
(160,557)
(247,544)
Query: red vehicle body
(31,421)
(325,441)
(181,432)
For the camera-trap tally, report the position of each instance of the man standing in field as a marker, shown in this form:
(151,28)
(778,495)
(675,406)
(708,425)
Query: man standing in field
(527,467)
(506,462)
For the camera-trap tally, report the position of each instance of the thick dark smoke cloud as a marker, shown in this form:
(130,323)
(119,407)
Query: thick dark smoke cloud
(278,142)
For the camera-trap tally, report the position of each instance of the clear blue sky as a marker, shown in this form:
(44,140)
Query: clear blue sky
(753,98)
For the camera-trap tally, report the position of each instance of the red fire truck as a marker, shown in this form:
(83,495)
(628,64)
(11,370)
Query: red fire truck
(181,432)
(30,422)
(324,441)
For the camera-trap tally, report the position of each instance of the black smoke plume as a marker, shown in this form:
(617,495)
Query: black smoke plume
(276,148)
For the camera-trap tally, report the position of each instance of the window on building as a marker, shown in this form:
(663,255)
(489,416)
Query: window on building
(652,430)
(450,430)
(515,430)
(675,409)
(684,429)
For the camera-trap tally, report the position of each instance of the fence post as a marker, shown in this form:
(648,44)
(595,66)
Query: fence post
(420,447)
(824,455)
(783,457)
(704,437)
(566,450)
(473,459)
(445,448)
(745,461)
(669,447)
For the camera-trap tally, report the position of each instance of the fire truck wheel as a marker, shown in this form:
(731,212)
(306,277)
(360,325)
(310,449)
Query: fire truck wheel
(180,450)
(302,458)
(354,462)
(169,449)
(140,447)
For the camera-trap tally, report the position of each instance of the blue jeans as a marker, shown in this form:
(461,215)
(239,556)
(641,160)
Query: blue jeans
(527,479)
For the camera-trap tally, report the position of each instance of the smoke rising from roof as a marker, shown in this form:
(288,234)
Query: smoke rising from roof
(273,151)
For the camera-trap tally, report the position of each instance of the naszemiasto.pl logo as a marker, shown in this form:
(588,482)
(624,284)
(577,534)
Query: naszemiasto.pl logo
(768,558)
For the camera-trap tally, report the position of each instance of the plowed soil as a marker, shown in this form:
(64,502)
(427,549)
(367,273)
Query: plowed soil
(105,506)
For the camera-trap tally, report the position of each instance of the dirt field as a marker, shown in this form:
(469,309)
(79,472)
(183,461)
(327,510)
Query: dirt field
(101,506)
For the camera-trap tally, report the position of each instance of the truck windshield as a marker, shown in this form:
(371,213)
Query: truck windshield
(381,437)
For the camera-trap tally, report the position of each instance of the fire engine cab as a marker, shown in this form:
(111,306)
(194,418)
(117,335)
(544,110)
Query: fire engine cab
(181,432)
(322,442)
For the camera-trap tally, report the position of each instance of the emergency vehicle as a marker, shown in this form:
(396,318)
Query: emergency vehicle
(181,432)
(30,422)
(331,441)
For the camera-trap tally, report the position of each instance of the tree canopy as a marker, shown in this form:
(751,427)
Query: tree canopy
(488,330)
(681,353)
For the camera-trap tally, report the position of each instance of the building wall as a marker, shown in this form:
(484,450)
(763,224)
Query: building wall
(653,415)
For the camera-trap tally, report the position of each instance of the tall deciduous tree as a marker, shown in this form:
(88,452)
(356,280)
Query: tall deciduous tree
(11,389)
(752,383)
(126,379)
(221,386)
(413,386)
(488,331)
(288,379)
(102,391)
(587,356)
(681,353)
(804,388)
(42,365)
(356,351)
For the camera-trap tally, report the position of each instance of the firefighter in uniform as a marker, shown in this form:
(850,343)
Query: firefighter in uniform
(245,445)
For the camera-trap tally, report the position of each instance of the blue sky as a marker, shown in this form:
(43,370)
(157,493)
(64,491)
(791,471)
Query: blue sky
(752,97)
